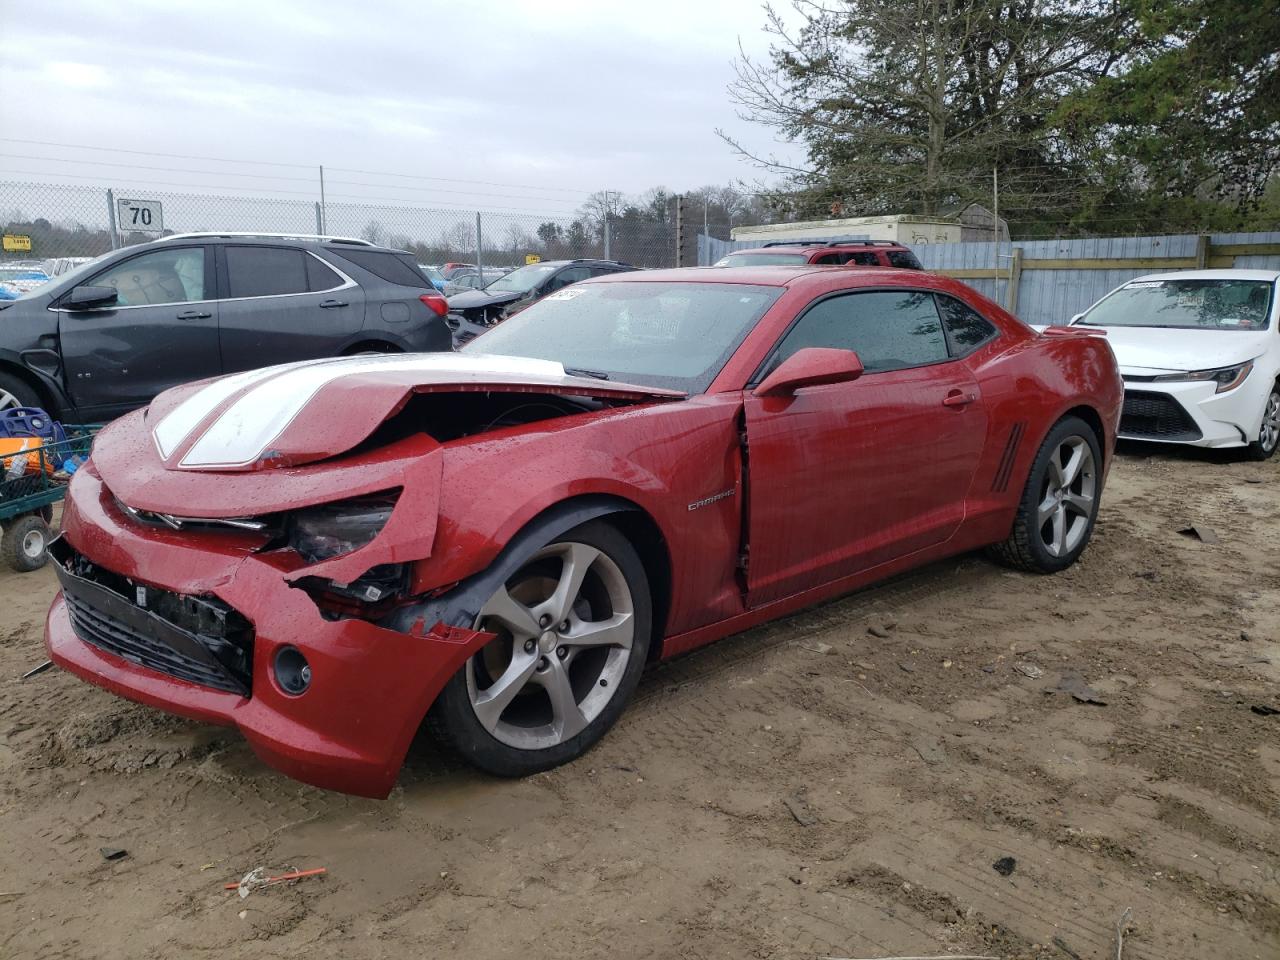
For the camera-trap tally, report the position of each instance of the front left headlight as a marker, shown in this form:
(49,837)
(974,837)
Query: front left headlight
(332,529)
(1226,378)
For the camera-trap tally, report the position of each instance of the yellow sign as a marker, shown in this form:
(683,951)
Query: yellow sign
(15,242)
(528,257)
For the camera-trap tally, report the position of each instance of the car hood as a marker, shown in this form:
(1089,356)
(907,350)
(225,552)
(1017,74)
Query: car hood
(303,412)
(473,299)
(1154,350)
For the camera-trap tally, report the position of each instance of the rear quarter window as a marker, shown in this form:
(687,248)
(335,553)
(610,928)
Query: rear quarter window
(905,260)
(391,267)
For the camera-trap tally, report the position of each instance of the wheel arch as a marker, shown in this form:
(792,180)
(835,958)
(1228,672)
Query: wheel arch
(1090,416)
(50,399)
(461,604)
(372,345)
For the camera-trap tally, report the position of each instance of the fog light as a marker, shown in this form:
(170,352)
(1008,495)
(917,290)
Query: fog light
(293,673)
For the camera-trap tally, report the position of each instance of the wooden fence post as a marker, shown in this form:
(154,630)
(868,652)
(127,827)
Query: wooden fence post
(1015,280)
(1202,251)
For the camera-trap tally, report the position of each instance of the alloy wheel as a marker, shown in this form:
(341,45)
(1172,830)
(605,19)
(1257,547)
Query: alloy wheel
(1066,503)
(1269,435)
(564,626)
(8,400)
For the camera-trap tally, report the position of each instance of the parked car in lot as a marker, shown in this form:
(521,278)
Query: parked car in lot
(437,279)
(15,280)
(449,269)
(463,281)
(108,336)
(847,253)
(664,458)
(471,313)
(1200,357)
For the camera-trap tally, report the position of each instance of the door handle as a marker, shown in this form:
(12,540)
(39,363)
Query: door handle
(330,304)
(194,315)
(957,399)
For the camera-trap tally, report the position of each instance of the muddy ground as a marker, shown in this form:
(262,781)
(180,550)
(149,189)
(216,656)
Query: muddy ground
(808,789)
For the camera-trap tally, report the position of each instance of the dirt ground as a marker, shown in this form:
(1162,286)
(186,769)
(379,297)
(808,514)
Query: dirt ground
(808,789)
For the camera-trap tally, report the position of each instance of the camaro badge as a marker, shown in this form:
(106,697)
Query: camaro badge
(707,501)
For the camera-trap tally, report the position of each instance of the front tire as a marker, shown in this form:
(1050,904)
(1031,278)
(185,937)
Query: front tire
(572,631)
(1264,447)
(1059,503)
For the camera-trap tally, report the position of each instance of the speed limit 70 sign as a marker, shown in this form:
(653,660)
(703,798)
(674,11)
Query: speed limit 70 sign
(139,216)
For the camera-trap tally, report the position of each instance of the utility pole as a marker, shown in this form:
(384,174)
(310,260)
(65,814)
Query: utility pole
(607,208)
(324,213)
(111,218)
(679,230)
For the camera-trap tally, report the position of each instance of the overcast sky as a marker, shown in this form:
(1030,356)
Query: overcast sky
(566,96)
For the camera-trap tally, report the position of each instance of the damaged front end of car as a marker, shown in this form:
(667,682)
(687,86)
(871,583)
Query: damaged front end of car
(271,565)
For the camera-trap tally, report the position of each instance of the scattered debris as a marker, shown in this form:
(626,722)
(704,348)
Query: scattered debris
(1246,636)
(800,810)
(930,750)
(1146,575)
(823,648)
(880,632)
(35,671)
(1265,710)
(1253,480)
(1074,684)
(113,853)
(8,895)
(1120,930)
(906,667)
(989,668)
(1062,945)
(946,664)
(1005,866)
(1029,669)
(257,877)
(1201,533)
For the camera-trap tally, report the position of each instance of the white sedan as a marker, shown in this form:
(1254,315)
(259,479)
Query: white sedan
(1200,355)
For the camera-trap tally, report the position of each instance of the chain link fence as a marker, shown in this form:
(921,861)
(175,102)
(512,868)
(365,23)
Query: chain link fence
(43,221)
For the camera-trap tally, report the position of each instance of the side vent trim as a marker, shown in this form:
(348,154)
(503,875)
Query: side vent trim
(1001,482)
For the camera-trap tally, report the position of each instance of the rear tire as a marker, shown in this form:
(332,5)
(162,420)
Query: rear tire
(569,651)
(1059,503)
(24,543)
(1264,447)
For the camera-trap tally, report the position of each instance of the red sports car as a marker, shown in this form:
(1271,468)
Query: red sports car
(324,554)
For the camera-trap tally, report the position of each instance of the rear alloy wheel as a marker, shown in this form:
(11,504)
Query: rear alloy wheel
(1269,433)
(1059,503)
(571,635)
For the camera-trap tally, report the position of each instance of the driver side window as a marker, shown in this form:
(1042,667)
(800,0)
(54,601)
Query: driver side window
(161,276)
(889,330)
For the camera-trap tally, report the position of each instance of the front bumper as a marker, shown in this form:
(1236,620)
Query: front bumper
(1189,412)
(370,686)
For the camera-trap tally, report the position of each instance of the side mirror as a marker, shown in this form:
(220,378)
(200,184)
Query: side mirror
(811,367)
(88,298)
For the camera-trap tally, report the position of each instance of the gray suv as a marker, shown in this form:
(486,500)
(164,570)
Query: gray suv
(108,336)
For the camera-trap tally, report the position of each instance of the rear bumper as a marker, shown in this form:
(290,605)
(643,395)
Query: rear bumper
(370,686)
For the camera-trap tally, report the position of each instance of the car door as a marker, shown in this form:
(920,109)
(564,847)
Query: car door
(845,477)
(161,331)
(282,303)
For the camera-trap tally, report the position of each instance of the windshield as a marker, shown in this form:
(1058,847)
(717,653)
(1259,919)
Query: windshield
(524,279)
(762,259)
(1219,304)
(656,334)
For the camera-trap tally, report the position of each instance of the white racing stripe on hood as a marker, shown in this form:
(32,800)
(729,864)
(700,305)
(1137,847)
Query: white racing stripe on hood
(246,429)
(186,416)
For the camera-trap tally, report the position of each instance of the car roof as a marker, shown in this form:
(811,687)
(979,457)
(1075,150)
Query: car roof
(1224,274)
(776,246)
(772,275)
